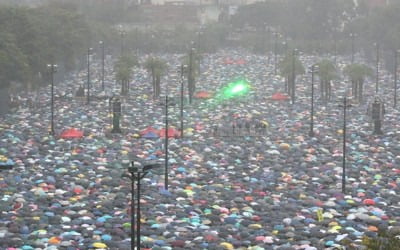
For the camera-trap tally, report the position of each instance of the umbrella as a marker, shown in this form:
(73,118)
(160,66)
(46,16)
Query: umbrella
(71,133)
(171,133)
(279,97)
(150,135)
(203,95)
(148,130)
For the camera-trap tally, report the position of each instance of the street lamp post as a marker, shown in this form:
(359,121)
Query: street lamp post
(345,106)
(102,64)
(166,145)
(89,52)
(268,45)
(190,76)
(314,69)
(137,175)
(352,35)
(335,46)
(396,55)
(122,33)
(377,69)
(183,68)
(293,92)
(52,68)
(275,52)
(200,33)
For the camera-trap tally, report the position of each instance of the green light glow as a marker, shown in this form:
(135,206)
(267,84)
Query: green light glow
(235,89)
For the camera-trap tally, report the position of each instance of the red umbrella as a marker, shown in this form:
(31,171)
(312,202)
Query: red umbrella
(171,133)
(241,61)
(203,95)
(71,133)
(148,130)
(228,61)
(279,97)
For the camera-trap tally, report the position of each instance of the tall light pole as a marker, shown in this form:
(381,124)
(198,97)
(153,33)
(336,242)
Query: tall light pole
(352,35)
(102,64)
(377,68)
(136,175)
(335,45)
(199,34)
(52,68)
(268,45)
(190,75)
(314,69)
(293,92)
(396,55)
(166,145)
(183,68)
(275,52)
(122,33)
(89,52)
(345,106)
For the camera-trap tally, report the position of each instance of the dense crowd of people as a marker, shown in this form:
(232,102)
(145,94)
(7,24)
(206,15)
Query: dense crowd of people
(281,189)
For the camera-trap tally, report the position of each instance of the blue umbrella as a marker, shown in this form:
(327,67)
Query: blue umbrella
(150,135)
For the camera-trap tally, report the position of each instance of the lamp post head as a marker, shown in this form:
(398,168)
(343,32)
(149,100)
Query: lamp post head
(132,169)
(52,67)
(101,42)
(315,68)
(151,166)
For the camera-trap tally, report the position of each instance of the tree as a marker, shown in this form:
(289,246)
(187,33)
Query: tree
(357,74)
(156,67)
(123,71)
(286,69)
(326,72)
(192,60)
(13,63)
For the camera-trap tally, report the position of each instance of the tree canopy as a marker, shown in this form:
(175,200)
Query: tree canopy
(31,38)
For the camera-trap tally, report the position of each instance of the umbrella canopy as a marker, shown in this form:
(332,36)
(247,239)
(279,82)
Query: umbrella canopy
(203,95)
(172,132)
(148,130)
(241,61)
(150,135)
(71,133)
(279,97)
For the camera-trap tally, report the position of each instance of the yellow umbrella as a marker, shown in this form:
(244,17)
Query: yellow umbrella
(99,245)
(226,245)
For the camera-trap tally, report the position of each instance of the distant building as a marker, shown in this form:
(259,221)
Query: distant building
(199,2)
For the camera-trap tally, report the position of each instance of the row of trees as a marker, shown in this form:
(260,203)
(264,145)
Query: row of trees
(327,72)
(156,67)
(31,38)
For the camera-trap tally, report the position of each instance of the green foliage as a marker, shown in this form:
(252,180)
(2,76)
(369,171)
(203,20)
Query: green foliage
(196,58)
(358,72)
(384,240)
(155,66)
(286,65)
(327,70)
(13,65)
(123,70)
(31,38)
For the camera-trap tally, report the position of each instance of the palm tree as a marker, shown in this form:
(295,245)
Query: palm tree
(192,60)
(156,67)
(326,72)
(286,69)
(357,74)
(123,71)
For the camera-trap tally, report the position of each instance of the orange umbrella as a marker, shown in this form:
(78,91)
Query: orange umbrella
(71,133)
(203,95)
(279,97)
